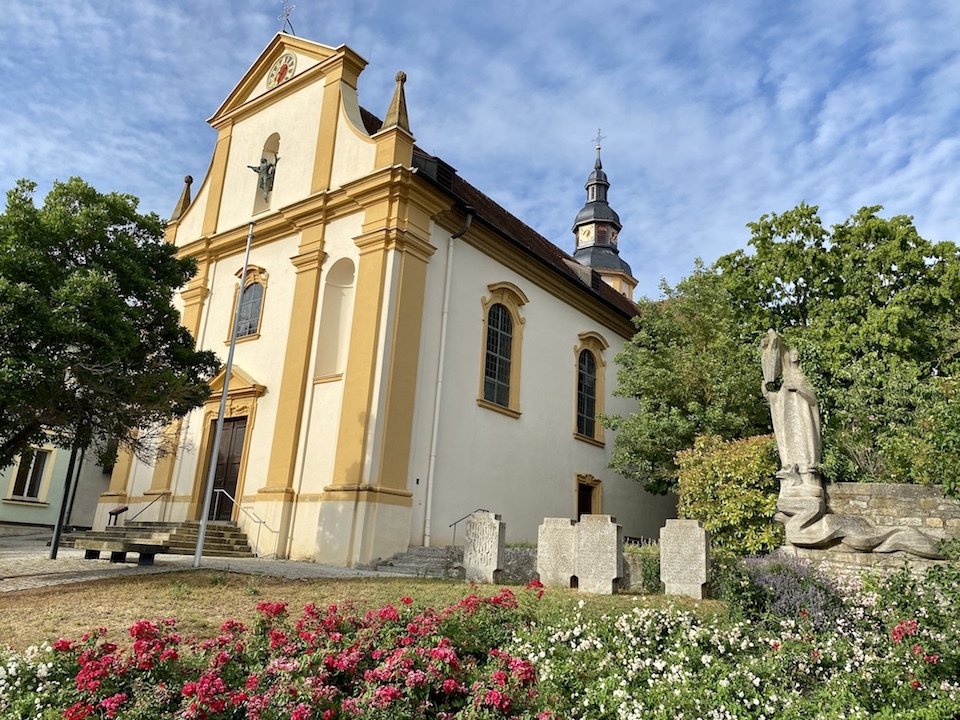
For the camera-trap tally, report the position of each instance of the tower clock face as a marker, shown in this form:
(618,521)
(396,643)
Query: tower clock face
(586,234)
(281,70)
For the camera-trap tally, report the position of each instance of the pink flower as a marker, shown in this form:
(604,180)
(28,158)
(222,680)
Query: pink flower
(406,600)
(112,703)
(300,712)
(388,613)
(904,628)
(63,645)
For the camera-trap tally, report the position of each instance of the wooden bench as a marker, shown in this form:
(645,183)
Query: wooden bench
(118,550)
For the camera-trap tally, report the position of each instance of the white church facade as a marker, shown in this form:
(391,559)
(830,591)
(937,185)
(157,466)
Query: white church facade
(407,350)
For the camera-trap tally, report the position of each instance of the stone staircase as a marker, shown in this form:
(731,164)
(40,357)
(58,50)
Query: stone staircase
(222,539)
(434,562)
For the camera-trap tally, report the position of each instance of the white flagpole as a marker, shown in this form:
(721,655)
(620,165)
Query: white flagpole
(215,450)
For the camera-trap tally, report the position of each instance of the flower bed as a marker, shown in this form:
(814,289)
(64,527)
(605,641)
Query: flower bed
(887,648)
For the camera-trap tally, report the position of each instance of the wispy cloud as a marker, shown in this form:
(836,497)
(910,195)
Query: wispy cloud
(713,112)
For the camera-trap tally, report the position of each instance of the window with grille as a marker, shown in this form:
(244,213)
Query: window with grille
(586,394)
(248,317)
(496,383)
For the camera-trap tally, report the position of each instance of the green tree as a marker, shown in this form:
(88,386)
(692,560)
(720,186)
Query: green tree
(872,308)
(691,374)
(91,346)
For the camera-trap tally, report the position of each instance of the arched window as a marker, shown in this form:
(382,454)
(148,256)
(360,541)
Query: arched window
(589,398)
(248,316)
(496,372)
(586,394)
(502,342)
(252,290)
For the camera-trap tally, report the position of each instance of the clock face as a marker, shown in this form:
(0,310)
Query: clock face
(586,233)
(281,70)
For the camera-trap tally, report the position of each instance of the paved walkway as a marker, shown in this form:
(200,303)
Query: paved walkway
(25,563)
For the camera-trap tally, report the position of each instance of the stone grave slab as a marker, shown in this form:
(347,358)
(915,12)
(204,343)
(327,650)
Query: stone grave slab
(599,554)
(485,547)
(557,552)
(684,558)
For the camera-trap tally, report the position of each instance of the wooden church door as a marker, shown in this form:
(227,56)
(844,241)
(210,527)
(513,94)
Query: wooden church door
(228,467)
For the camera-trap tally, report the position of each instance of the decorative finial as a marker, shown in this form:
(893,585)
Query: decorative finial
(597,165)
(600,138)
(397,112)
(184,202)
(284,17)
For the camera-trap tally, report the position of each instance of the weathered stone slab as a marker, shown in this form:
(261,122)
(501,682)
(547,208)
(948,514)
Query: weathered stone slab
(485,548)
(684,558)
(599,554)
(557,552)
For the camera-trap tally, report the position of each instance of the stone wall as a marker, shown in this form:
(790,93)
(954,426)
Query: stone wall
(884,505)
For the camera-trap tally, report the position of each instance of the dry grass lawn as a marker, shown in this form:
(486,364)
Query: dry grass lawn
(201,600)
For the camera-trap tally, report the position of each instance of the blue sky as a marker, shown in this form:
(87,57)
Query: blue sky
(713,112)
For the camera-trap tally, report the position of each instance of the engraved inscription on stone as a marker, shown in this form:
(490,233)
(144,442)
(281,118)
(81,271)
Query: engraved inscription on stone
(684,558)
(556,552)
(599,554)
(484,549)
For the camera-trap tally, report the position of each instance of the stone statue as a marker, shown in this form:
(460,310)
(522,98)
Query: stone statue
(793,409)
(266,170)
(801,505)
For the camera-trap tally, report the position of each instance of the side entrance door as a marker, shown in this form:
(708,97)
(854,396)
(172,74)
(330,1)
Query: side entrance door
(228,467)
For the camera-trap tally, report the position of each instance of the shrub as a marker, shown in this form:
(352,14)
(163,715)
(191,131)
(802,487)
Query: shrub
(648,560)
(781,588)
(731,487)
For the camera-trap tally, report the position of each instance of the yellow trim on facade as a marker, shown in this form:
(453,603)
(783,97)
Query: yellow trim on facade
(217,177)
(242,396)
(561,287)
(255,274)
(296,359)
(163,469)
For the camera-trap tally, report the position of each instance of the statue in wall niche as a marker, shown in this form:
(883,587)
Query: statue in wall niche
(801,504)
(266,171)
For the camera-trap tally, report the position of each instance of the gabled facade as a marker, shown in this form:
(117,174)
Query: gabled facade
(407,351)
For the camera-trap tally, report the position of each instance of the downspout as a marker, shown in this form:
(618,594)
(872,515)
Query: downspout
(434,429)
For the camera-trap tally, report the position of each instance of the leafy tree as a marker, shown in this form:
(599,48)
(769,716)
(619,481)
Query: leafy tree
(691,374)
(91,346)
(872,307)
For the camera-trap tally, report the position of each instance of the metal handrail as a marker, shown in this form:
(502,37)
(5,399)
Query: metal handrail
(158,497)
(457,522)
(260,522)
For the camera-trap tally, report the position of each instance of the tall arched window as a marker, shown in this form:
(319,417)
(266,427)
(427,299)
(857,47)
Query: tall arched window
(248,316)
(586,394)
(502,342)
(589,398)
(252,290)
(496,372)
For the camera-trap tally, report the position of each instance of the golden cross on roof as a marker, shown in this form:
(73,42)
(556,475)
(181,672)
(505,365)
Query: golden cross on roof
(599,138)
(284,17)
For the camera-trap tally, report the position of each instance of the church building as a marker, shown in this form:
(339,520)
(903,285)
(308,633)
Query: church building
(407,351)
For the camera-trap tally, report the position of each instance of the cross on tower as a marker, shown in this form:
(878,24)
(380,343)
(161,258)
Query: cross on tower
(284,17)
(599,138)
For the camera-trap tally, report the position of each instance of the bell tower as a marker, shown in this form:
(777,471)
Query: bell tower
(596,229)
